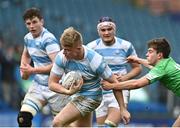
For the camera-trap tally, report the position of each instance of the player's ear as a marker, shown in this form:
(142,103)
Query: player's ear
(160,55)
(42,21)
(98,31)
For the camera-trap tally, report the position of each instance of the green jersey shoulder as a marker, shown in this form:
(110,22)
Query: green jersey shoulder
(167,71)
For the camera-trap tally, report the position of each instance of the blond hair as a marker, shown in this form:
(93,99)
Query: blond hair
(71,37)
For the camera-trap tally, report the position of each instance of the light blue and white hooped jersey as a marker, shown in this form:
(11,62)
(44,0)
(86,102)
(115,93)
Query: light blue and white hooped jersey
(92,68)
(39,48)
(115,55)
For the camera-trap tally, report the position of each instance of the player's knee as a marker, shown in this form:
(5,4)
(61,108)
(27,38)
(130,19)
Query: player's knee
(25,119)
(110,123)
(58,122)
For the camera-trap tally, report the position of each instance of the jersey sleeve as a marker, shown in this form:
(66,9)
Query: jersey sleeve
(155,74)
(100,66)
(58,65)
(107,73)
(25,41)
(92,45)
(131,51)
(51,45)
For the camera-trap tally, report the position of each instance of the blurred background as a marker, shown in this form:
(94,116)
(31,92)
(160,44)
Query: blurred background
(137,21)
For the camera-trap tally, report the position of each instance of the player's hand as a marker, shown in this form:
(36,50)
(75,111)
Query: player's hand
(133,59)
(75,87)
(125,116)
(106,85)
(24,75)
(27,69)
(23,71)
(119,77)
(78,84)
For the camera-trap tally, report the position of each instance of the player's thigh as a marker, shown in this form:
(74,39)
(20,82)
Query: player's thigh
(57,101)
(67,115)
(85,121)
(113,115)
(33,100)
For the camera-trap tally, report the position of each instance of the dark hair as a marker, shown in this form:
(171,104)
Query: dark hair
(31,13)
(160,45)
(105,18)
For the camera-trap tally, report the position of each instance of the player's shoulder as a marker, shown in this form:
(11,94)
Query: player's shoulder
(122,41)
(93,43)
(60,54)
(89,50)
(28,36)
(47,34)
(90,53)
(60,58)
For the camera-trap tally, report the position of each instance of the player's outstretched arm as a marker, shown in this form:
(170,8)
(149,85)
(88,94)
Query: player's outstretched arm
(135,59)
(126,85)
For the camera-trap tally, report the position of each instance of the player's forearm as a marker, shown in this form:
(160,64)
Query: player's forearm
(145,63)
(119,98)
(133,73)
(42,69)
(25,60)
(126,85)
(56,87)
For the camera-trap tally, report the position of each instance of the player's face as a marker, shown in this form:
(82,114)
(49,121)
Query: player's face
(35,26)
(72,52)
(152,56)
(107,34)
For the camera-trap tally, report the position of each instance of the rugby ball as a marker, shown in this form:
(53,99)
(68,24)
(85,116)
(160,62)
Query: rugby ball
(70,78)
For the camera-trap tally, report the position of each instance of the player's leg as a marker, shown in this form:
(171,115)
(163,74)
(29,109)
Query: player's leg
(56,101)
(66,116)
(177,122)
(78,108)
(28,110)
(100,120)
(86,106)
(113,114)
(32,103)
(101,112)
(113,118)
(85,121)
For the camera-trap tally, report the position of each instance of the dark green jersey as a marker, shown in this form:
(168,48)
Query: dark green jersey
(167,71)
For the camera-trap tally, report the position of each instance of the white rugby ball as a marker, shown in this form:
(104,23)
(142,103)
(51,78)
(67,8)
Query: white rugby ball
(70,78)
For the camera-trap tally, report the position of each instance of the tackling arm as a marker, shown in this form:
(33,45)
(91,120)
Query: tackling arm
(126,85)
(135,59)
(135,71)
